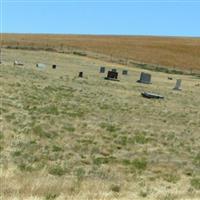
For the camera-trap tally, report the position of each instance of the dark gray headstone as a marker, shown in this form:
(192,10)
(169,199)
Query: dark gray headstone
(145,78)
(112,75)
(80,74)
(125,72)
(114,70)
(102,69)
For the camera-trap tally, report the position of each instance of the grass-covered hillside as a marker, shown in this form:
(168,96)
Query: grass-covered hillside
(65,137)
(166,52)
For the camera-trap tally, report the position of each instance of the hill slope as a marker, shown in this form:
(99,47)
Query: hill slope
(183,53)
(64,137)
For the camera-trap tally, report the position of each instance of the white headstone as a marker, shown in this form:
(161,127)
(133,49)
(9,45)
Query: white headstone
(178,85)
(40,65)
(18,63)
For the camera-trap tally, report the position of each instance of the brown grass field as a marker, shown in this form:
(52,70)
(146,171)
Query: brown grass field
(69,138)
(174,52)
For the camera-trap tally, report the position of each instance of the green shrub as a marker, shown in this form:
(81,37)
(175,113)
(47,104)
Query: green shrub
(115,188)
(126,162)
(38,130)
(1,135)
(80,173)
(69,127)
(121,140)
(10,117)
(140,164)
(53,110)
(172,178)
(57,170)
(109,127)
(100,160)
(195,182)
(196,160)
(140,139)
(51,196)
(103,160)
(56,148)
(136,164)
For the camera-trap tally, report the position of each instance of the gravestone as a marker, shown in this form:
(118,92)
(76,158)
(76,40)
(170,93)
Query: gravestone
(178,85)
(40,65)
(145,78)
(150,95)
(102,69)
(114,70)
(53,66)
(80,74)
(112,76)
(125,72)
(18,63)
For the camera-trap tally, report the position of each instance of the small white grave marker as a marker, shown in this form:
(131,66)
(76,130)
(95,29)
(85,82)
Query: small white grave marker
(178,85)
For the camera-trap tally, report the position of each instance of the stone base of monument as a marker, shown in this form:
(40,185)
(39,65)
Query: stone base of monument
(150,95)
(179,89)
(142,81)
(111,79)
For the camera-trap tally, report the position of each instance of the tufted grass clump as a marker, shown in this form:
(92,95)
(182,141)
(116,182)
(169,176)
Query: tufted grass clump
(195,183)
(138,164)
(57,170)
(109,127)
(196,160)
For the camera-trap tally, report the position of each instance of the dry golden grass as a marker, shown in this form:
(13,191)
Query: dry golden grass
(64,137)
(182,53)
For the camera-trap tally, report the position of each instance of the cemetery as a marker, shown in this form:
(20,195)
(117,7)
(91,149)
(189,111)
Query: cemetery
(71,135)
